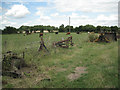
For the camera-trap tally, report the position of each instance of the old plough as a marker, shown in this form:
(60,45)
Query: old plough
(64,43)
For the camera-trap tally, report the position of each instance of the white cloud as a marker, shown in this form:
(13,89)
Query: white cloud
(60,15)
(54,14)
(26,24)
(90,6)
(43,10)
(76,20)
(110,20)
(40,11)
(18,11)
(107,18)
(27,0)
(8,23)
(0,18)
(86,5)
(5,21)
(42,17)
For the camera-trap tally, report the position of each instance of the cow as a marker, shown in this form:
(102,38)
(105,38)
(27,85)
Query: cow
(56,32)
(68,33)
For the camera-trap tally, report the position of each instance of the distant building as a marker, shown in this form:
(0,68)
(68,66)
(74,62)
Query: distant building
(45,31)
(55,31)
(38,31)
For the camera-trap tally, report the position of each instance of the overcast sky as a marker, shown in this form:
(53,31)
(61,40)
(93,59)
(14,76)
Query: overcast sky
(56,12)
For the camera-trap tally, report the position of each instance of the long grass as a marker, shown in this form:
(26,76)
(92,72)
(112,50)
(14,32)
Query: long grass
(100,59)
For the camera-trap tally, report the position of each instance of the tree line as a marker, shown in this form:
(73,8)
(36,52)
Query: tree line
(61,28)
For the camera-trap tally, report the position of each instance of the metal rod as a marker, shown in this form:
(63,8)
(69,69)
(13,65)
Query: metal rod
(69,24)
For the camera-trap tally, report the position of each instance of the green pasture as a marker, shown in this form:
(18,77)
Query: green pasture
(51,69)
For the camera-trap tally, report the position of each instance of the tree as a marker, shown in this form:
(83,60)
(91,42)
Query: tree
(118,30)
(61,28)
(76,29)
(67,28)
(71,29)
(114,28)
(24,28)
(49,28)
(31,29)
(89,28)
(98,29)
(9,30)
(81,28)
(0,31)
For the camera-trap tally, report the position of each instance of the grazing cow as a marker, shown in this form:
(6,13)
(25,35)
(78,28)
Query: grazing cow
(78,32)
(56,32)
(68,33)
(27,32)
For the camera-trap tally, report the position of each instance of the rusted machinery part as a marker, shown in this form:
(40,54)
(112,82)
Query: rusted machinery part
(61,42)
(69,38)
(64,42)
(12,74)
(102,38)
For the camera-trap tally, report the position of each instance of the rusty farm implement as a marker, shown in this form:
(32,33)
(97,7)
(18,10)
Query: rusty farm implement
(64,43)
(106,37)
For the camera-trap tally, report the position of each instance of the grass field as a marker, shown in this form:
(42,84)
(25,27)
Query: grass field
(56,69)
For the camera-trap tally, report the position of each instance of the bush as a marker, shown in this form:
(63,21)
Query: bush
(92,37)
(7,64)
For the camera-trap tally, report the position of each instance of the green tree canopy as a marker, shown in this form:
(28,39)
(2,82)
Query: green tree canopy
(9,30)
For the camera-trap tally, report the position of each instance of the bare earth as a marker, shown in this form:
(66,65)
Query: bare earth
(77,73)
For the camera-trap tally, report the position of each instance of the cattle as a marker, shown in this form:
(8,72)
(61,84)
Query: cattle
(78,32)
(68,33)
(27,32)
(56,32)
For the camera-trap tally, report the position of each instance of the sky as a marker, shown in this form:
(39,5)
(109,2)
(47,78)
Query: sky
(56,12)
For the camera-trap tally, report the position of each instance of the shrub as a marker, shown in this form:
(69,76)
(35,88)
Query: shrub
(7,64)
(92,37)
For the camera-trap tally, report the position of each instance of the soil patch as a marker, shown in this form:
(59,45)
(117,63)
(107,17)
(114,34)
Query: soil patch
(77,73)
(58,69)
